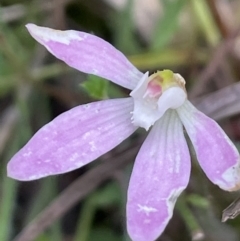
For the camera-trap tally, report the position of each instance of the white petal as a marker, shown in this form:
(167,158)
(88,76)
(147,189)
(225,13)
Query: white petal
(73,139)
(88,53)
(215,152)
(161,172)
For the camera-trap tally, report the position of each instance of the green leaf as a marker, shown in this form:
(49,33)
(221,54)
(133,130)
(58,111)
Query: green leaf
(108,195)
(197,200)
(44,237)
(167,24)
(188,216)
(96,87)
(105,234)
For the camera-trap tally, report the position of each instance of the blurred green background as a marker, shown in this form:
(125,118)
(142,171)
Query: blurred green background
(197,38)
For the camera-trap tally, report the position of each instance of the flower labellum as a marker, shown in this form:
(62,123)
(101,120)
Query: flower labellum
(154,95)
(162,167)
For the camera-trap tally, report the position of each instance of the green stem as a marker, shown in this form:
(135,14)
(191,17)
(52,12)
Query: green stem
(168,57)
(8,195)
(188,216)
(206,21)
(85,220)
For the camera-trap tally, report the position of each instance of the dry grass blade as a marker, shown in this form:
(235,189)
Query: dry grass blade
(224,48)
(232,211)
(224,102)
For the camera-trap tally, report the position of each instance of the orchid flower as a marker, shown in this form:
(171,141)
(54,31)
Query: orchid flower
(158,101)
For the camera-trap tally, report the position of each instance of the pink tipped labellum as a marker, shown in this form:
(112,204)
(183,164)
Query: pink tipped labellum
(162,167)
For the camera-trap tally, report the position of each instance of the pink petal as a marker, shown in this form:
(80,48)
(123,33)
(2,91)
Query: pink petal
(74,139)
(88,53)
(161,172)
(215,152)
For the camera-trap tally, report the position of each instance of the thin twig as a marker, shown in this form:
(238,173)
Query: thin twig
(220,21)
(224,48)
(18,11)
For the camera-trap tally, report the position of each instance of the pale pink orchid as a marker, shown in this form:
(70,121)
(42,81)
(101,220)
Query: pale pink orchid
(162,167)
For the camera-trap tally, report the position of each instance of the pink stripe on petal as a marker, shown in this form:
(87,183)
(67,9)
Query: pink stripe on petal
(88,53)
(74,139)
(215,152)
(161,172)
